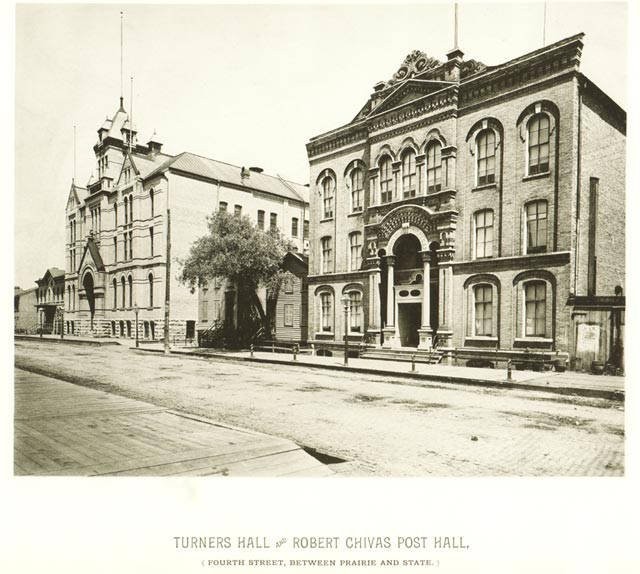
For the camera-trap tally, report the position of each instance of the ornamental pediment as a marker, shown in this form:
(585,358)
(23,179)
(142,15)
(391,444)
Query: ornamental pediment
(406,216)
(408,92)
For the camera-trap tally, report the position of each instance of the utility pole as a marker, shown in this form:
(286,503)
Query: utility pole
(167,286)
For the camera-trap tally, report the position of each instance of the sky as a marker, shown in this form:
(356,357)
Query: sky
(249,85)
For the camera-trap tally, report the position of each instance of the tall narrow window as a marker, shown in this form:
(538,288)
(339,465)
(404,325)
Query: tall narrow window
(288,315)
(327,261)
(130,244)
(536,223)
(151,241)
(273,222)
(130,291)
(68,298)
(126,210)
(125,240)
(483,309)
(115,214)
(409,174)
(115,293)
(535,297)
(355,311)
(123,285)
(261,219)
(538,148)
(115,249)
(130,208)
(434,167)
(294,227)
(486,154)
(305,229)
(152,202)
(483,226)
(73,296)
(357,189)
(222,206)
(386,181)
(328,188)
(355,251)
(237,210)
(150,283)
(326,311)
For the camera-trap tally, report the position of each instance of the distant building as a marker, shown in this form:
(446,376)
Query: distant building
(25,314)
(474,207)
(116,230)
(50,300)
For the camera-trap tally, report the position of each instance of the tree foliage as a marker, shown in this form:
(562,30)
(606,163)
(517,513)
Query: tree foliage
(236,250)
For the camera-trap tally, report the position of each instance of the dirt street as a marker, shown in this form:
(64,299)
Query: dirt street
(378,426)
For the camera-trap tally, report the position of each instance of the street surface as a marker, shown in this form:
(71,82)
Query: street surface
(377,424)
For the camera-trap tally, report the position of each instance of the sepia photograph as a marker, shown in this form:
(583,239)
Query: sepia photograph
(320,241)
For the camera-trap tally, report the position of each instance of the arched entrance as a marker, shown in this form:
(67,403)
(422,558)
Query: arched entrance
(87,284)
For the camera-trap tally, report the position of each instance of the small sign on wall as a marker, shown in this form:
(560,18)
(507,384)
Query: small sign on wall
(588,338)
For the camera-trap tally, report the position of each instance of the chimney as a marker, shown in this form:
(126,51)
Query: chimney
(154,145)
(244,173)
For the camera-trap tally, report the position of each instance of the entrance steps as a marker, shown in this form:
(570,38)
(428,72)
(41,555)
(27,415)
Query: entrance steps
(404,354)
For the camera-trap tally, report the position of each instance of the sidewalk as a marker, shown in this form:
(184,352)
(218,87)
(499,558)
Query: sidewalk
(567,383)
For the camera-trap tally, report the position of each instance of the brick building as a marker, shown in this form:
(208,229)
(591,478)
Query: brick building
(472,207)
(116,229)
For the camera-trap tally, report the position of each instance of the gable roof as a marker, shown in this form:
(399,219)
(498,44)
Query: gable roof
(191,164)
(94,253)
(53,272)
(408,91)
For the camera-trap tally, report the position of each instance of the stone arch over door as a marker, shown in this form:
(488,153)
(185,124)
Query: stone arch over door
(88,284)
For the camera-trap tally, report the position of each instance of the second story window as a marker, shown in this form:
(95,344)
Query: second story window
(486,157)
(538,144)
(536,227)
(483,229)
(294,227)
(327,254)
(273,222)
(357,189)
(328,188)
(409,174)
(261,219)
(386,181)
(237,210)
(355,251)
(434,167)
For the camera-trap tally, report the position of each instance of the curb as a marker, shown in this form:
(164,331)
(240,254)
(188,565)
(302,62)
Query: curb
(63,341)
(414,377)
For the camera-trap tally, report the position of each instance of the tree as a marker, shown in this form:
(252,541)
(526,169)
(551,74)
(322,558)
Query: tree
(244,255)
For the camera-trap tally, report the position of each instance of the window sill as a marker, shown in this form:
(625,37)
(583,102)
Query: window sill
(355,213)
(536,176)
(485,186)
(326,219)
(532,340)
(481,338)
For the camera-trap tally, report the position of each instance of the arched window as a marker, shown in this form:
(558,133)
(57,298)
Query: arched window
(355,311)
(536,227)
(130,280)
(150,279)
(355,251)
(115,293)
(326,311)
(434,167)
(130,209)
(483,310)
(357,189)
(386,180)
(68,297)
(151,202)
(326,261)
(123,284)
(483,233)
(73,296)
(486,157)
(409,174)
(538,144)
(328,188)
(126,211)
(535,309)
